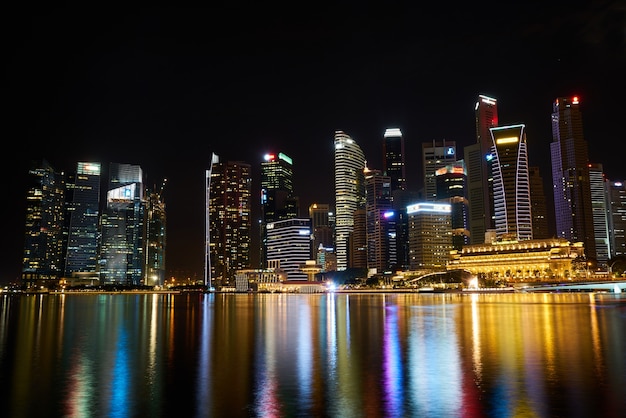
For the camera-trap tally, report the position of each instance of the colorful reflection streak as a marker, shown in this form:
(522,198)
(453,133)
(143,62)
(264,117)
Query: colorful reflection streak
(268,355)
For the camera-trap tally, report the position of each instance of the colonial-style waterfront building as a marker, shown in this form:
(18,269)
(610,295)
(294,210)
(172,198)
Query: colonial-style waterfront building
(543,259)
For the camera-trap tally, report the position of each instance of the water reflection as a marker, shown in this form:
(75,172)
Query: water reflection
(313,355)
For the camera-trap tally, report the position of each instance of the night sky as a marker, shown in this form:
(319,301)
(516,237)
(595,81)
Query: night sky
(164,88)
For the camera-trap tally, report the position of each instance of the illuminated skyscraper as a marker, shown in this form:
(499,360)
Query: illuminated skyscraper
(599,198)
(154,270)
(278,201)
(42,264)
(229,221)
(321,218)
(570,175)
(380,223)
(123,227)
(393,158)
(617,218)
(83,209)
(451,188)
(479,171)
(349,191)
(511,184)
(435,155)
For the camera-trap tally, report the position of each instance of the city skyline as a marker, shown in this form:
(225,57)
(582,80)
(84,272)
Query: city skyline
(165,92)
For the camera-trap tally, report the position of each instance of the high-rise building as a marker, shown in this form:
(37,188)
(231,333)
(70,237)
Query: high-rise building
(122,226)
(394,166)
(228,221)
(394,158)
(349,168)
(83,216)
(599,197)
(42,264)
(435,155)
(380,223)
(617,218)
(539,209)
(156,234)
(479,170)
(322,227)
(357,240)
(289,246)
(570,175)
(430,235)
(511,184)
(451,188)
(278,201)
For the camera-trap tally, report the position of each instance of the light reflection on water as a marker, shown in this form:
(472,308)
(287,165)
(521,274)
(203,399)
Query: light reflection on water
(347,355)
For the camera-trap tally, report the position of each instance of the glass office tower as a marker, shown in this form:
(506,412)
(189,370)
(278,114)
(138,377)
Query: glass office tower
(349,192)
(511,183)
(42,264)
(83,212)
(479,191)
(570,175)
(123,227)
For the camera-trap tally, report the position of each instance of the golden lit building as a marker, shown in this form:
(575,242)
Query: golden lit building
(543,259)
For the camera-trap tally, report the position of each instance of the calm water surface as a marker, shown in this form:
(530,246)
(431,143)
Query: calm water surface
(323,355)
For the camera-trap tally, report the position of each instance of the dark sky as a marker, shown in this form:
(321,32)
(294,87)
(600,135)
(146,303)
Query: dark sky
(164,88)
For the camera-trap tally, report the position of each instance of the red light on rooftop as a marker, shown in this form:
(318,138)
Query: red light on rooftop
(575,100)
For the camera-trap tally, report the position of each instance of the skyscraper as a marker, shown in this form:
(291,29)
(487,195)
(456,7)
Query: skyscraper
(570,175)
(617,218)
(42,264)
(349,165)
(435,155)
(83,212)
(380,223)
(479,171)
(156,234)
(278,201)
(511,184)
(394,158)
(599,198)
(451,188)
(122,252)
(229,220)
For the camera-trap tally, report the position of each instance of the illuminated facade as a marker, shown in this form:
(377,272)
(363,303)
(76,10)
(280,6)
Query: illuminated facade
(123,227)
(42,263)
(289,246)
(511,184)
(451,183)
(479,170)
(435,155)
(229,220)
(599,207)
(277,196)
(430,235)
(380,223)
(570,175)
(349,164)
(322,223)
(154,270)
(393,158)
(83,212)
(549,259)
(617,218)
